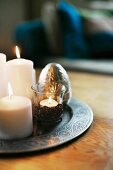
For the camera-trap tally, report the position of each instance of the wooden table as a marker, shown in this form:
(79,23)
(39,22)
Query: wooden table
(91,151)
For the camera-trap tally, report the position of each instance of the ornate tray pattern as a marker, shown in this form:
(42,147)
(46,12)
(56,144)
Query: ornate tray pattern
(76,119)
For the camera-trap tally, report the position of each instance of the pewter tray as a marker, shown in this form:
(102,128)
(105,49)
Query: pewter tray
(77,117)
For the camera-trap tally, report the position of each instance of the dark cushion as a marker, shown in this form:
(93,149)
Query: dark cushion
(30,37)
(99,34)
(74,43)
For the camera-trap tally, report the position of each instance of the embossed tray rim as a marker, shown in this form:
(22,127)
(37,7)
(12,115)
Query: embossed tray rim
(81,120)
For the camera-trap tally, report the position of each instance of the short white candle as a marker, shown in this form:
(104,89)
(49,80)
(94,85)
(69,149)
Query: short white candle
(15,117)
(21,75)
(49,102)
(3,76)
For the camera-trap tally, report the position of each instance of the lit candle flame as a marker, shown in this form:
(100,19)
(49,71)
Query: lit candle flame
(10,91)
(50,100)
(17,52)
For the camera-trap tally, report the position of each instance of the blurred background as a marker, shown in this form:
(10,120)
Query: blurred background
(15,13)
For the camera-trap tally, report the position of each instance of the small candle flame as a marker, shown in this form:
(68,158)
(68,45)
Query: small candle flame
(50,100)
(10,91)
(17,52)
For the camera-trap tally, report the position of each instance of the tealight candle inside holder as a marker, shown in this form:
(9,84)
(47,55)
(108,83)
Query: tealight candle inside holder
(47,106)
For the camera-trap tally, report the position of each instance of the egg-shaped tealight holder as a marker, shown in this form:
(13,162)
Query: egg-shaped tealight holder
(55,73)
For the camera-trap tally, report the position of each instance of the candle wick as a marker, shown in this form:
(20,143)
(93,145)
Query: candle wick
(10,91)
(10,97)
(49,102)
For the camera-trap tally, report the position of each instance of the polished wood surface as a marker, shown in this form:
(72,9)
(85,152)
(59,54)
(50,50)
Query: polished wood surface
(91,151)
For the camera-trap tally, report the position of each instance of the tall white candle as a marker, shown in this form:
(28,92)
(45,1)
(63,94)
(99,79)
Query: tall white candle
(20,74)
(3,76)
(15,117)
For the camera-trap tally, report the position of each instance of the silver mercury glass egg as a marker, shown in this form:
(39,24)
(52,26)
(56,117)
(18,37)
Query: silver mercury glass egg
(53,78)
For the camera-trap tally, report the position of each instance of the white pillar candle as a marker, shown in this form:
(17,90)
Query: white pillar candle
(3,82)
(15,117)
(20,75)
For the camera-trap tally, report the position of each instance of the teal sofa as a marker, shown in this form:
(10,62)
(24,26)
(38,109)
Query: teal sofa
(66,34)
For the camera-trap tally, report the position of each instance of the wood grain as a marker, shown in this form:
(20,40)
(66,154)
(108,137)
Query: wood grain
(91,151)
